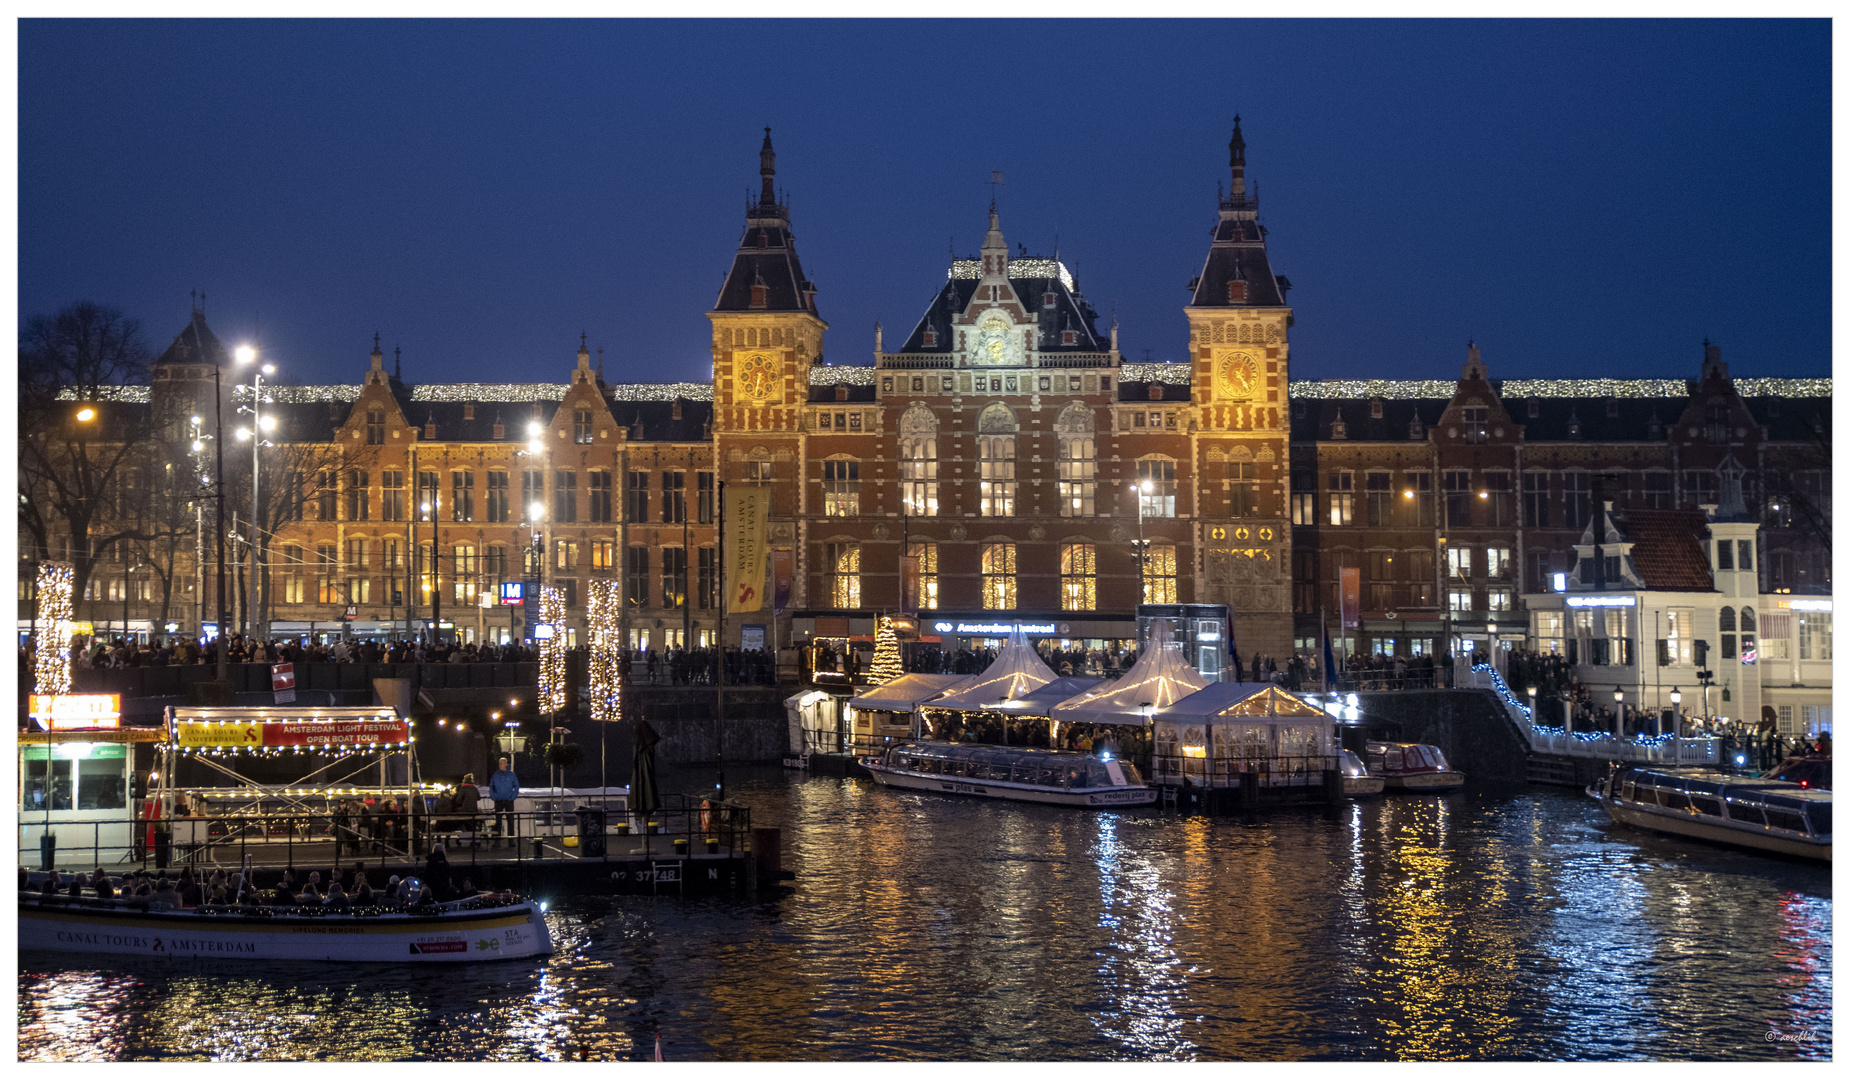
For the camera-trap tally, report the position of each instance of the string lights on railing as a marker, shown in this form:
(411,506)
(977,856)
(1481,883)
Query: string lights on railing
(52,665)
(604,608)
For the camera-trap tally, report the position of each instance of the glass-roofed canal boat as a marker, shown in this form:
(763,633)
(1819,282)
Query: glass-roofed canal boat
(1060,778)
(1767,815)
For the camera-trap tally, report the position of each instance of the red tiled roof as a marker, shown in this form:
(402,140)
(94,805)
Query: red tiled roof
(1667,549)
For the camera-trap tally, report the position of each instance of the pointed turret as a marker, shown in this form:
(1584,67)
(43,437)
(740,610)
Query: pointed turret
(1238,272)
(766,275)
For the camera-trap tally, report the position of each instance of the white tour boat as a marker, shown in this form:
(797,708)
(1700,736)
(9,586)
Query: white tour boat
(1357,782)
(1413,767)
(458,932)
(1763,814)
(1056,777)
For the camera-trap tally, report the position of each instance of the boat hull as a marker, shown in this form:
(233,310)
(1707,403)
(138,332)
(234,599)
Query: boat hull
(1695,828)
(1427,781)
(1090,798)
(502,933)
(1360,787)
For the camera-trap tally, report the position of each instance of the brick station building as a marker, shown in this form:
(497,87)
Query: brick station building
(1005,445)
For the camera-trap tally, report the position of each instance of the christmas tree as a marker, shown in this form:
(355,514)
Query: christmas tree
(886,666)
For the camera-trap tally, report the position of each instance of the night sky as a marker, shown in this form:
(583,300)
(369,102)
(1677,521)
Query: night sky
(1582,198)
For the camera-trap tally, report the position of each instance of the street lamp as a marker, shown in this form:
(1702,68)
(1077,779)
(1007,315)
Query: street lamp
(1676,717)
(1141,489)
(1618,697)
(259,424)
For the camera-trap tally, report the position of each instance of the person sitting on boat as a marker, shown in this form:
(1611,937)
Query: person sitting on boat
(99,881)
(284,894)
(76,890)
(164,892)
(310,896)
(337,897)
(425,898)
(191,891)
(388,897)
(437,870)
(362,892)
(52,885)
(468,890)
(219,895)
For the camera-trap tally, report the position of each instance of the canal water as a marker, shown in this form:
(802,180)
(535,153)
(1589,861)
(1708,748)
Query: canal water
(1493,923)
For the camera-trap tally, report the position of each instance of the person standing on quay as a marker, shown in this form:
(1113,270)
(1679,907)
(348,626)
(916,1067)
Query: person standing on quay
(504,788)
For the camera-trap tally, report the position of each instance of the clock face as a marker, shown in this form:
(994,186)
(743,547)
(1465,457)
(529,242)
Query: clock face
(757,375)
(1238,372)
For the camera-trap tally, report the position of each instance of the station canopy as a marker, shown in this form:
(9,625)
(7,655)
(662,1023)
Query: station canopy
(906,693)
(1160,678)
(1016,672)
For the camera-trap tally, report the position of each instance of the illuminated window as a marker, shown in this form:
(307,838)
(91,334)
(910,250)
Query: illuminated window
(462,495)
(998,577)
(1078,577)
(497,495)
(636,577)
(1342,496)
(674,577)
(603,555)
(1156,487)
(581,426)
(996,461)
(844,574)
(1078,462)
(841,488)
(1458,561)
(706,595)
(462,571)
(1159,573)
(926,552)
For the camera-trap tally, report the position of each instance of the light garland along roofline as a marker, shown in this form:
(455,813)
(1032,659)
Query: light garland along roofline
(1441,389)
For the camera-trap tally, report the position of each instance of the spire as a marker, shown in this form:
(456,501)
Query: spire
(584,353)
(1236,158)
(396,362)
(995,248)
(378,355)
(600,364)
(767,169)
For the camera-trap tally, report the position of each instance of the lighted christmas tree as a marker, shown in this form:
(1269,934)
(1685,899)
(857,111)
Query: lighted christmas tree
(886,666)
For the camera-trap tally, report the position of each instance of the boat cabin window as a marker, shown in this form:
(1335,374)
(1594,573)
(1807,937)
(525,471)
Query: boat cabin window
(1746,813)
(1780,817)
(1675,800)
(1820,814)
(1704,804)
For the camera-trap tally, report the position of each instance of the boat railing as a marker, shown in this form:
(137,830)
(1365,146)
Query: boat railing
(681,825)
(1306,770)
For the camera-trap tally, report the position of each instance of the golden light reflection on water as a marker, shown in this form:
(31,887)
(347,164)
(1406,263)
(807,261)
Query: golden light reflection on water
(1467,926)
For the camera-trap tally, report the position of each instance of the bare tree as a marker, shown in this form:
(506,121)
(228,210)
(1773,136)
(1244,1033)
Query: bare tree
(80,440)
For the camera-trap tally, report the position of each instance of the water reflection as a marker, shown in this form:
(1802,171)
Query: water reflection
(1474,925)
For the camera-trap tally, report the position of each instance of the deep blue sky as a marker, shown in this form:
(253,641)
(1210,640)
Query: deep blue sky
(1583,198)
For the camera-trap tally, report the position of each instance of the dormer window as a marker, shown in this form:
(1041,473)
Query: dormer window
(500,430)
(1535,408)
(430,429)
(758,296)
(931,337)
(674,410)
(1049,298)
(1236,292)
(1156,391)
(1339,429)
(468,412)
(1374,408)
(1612,408)
(841,393)
(1416,430)
(1069,337)
(764,239)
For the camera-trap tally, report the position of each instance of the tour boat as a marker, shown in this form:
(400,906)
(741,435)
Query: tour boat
(1766,815)
(1413,767)
(484,928)
(1057,777)
(1357,782)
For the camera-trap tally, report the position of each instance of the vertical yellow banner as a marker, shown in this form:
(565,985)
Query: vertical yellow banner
(746,511)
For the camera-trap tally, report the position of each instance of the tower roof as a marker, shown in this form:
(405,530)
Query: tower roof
(1237,253)
(765,274)
(196,344)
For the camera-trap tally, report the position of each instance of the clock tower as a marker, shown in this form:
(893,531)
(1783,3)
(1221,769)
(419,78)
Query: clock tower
(766,334)
(1239,345)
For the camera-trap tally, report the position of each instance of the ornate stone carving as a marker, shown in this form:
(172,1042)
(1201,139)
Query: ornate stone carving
(881,532)
(958,532)
(1037,533)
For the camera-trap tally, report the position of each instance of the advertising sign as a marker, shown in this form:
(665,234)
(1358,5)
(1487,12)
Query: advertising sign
(286,733)
(1352,597)
(751,637)
(76,712)
(512,594)
(746,510)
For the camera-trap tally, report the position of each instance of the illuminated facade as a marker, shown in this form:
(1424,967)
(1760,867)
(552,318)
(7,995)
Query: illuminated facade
(1006,448)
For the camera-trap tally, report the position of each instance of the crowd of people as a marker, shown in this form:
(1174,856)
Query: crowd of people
(699,667)
(340,889)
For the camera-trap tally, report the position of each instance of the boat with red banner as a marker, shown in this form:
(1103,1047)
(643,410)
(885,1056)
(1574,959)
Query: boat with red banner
(1412,767)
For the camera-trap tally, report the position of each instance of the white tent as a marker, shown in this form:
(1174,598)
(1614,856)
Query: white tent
(1159,679)
(1214,735)
(1017,671)
(1036,702)
(907,692)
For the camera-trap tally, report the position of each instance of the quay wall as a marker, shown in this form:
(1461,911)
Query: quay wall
(1469,724)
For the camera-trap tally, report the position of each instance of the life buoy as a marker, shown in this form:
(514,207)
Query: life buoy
(151,813)
(706,815)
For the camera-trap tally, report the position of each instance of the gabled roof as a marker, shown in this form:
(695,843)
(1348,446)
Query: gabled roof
(767,254)
(1667,549)
(1239,701)
(906,693)
(1237,252)
(1034,279)
(196,344)
(1016,671)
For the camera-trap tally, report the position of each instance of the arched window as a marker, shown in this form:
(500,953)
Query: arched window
(844,574)
(1725,623)
(1079,576)
(998,576)
(1156,483)
(1078,462)
(841,487)
(995,451)
(918,461)
(1749,631)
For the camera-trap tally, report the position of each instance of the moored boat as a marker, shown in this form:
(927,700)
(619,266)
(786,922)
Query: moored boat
(1763,814)
(1413,767)
(1056,777)
(458,932)
(1357,782)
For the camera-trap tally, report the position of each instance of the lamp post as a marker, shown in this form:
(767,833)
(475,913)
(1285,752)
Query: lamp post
(199,528)
(1532,713)
(1618,698)
(1139,490)
(259,424)
(1491,628)
(218,475)
(128,577)
(1676,718)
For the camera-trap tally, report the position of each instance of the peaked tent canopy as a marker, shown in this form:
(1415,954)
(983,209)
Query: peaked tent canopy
(1239,700)
(1037,702)
(906,693)
(1159,679)
(1017,671)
